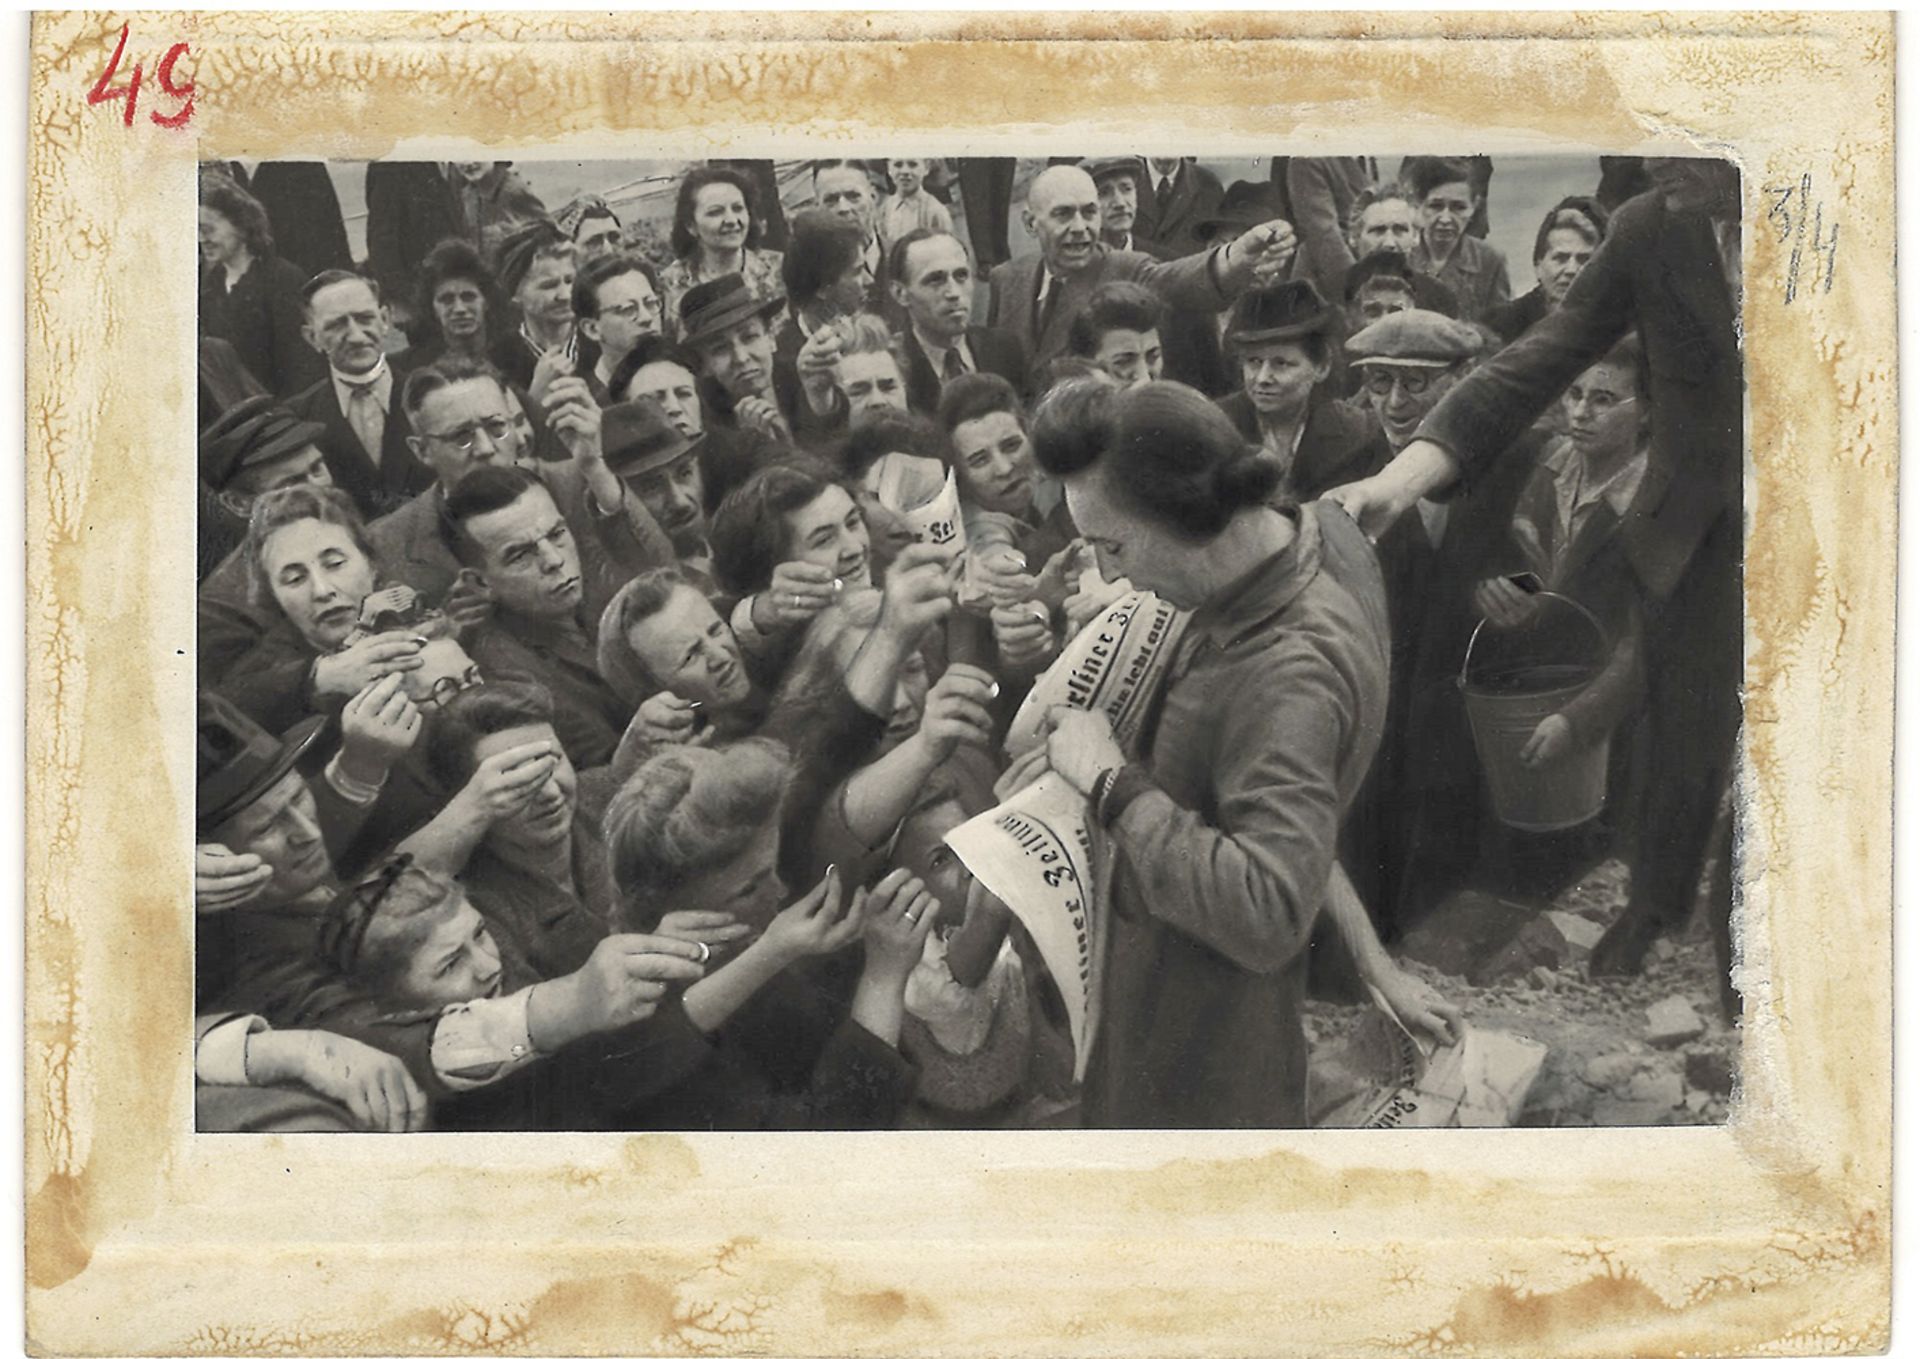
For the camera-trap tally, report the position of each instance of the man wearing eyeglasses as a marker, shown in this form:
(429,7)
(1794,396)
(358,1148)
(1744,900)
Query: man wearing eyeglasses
(617,302)
(462,418)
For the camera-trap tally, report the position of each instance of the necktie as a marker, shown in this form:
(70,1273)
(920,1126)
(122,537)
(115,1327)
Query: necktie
(1046,307)
(367,419)
(953,367)
(1163,195)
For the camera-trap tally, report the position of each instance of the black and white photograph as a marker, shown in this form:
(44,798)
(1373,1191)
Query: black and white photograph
(920,642)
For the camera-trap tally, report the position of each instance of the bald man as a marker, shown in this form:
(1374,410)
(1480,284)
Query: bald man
(1037,296)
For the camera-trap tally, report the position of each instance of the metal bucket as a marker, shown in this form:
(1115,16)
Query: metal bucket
(1503,715)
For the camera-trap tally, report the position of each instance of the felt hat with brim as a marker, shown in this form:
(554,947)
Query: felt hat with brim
(709,308)
(1106,167)
(1243,207)
(1283,311)
(239,760)
(636,437)
(249,433)
(1414,339)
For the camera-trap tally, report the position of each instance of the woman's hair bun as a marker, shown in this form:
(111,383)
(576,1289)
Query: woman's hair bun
(1250,479)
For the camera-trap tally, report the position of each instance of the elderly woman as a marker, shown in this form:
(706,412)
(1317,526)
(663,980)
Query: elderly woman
(459,301)
(1442,190)
(536,270)
(1569,234)
(694,843)
(715,233)
(249,296)
(1282,337)
(1224,823)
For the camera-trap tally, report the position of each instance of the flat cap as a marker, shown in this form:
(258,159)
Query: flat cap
(1104,167)
(1415,339)
(249,433)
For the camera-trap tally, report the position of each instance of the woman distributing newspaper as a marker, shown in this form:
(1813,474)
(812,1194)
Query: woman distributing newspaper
(1224,824)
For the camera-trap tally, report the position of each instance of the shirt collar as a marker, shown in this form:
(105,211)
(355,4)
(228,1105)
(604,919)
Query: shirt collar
(379,377)
(1576,492)
(936,353)
(1265,590)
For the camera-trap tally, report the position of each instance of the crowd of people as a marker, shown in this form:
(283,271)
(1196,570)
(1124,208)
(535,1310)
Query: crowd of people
(582,715)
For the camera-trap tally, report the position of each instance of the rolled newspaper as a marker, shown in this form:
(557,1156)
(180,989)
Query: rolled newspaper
(916,489)
(1035,852)
(1113,665)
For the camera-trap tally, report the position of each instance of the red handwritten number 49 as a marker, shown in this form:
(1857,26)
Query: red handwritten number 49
(103,92)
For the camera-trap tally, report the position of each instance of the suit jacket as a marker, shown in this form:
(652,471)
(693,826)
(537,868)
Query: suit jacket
(560,657)
(1662,272)
(1320,192)
(1476,273)
(376,490)
(1195,281)
(1196,196)
(994,351)
(261,317)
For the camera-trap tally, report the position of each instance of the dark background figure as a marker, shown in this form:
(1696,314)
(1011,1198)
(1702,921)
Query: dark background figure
(301,203)
(986,193)
(411,208)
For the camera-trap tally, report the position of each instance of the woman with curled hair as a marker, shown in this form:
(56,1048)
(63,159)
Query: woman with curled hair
(1224,822)
(458,302)
(249,296)
(786,543)
(694,846)
(717,232)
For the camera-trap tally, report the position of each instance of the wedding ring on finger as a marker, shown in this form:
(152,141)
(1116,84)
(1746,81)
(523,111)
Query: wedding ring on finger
(705,952)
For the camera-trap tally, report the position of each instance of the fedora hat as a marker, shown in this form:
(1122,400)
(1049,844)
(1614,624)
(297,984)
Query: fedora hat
(1283,311)
(239,760)
(709,308)
(249,433)
(636,436)
(1245,205)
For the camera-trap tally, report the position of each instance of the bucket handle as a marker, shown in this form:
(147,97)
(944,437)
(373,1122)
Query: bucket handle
(1586,613)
